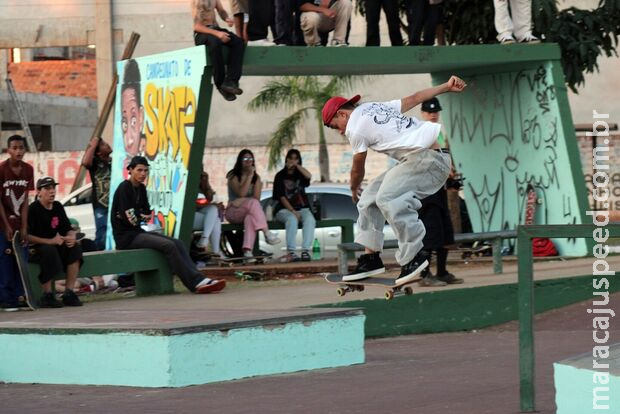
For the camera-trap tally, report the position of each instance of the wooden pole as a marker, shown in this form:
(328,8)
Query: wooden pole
(107,106)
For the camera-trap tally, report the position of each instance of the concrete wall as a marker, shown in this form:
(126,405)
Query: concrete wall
(72,120)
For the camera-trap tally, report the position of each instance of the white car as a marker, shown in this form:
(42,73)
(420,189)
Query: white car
(335,203)
(78,206)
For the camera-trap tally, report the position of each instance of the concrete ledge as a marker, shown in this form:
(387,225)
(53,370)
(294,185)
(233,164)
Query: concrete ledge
(575,386)
(161,353)
(467,308)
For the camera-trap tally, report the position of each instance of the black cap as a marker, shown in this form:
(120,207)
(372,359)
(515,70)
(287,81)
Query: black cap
(138,159)
(432,105)
(45,181)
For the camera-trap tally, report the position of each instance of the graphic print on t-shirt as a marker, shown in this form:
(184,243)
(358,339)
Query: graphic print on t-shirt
(383,114)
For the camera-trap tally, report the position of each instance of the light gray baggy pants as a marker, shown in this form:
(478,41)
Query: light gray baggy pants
(395,196)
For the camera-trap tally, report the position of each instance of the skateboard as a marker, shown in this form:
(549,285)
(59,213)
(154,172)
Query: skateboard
(250,275)
(391,288)
(22,265)
(231,261)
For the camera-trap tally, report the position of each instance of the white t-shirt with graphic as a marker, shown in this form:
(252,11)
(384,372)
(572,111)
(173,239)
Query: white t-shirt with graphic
(382,127)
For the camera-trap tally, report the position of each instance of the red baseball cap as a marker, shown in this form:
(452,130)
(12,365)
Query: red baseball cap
(334,104)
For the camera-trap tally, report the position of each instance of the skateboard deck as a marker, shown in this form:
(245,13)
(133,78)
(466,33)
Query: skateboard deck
(231,261)
(391,288)
(22,265)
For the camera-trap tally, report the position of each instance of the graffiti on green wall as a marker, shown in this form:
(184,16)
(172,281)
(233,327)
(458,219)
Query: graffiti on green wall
(504,134)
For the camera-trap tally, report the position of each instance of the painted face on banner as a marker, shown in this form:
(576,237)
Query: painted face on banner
(132,120)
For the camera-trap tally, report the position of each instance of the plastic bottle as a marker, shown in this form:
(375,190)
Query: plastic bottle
(316,250)
(269,212)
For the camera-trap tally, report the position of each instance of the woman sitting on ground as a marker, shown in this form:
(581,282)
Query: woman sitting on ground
(244,188)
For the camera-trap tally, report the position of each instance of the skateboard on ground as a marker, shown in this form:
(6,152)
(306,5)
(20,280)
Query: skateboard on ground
(391,288)
(22,265)
(231,261)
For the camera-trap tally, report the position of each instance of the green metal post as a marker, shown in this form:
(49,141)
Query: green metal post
(526,320)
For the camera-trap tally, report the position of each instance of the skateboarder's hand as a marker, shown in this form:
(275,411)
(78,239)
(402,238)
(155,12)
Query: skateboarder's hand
(455,84)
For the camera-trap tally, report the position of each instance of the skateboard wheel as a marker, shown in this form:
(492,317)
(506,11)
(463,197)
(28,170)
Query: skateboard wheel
(341,292)
(389,295)
(408,290)
(360,288)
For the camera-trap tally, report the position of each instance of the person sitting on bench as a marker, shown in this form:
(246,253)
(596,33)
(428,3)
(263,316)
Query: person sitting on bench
(130,207)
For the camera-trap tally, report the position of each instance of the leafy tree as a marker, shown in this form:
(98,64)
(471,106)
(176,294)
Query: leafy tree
(583,35)
(304,96)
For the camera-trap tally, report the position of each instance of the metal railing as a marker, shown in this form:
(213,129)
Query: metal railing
(525,234)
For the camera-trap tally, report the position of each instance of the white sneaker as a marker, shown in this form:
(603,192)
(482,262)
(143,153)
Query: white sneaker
(247,253)
(271,238)
(338,43)
(529,38)
(260,42)
(507,40)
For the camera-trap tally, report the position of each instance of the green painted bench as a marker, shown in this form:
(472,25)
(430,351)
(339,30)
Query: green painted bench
(151,271)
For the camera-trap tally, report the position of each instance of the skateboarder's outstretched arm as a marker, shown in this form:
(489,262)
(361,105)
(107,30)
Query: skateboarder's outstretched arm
(454,84)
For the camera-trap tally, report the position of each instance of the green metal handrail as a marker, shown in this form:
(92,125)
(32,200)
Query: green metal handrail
(525,234)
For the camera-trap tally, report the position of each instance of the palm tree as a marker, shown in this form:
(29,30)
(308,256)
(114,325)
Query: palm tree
(305,96)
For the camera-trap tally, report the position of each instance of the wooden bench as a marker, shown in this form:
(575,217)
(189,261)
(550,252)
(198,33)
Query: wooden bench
(151,271)
(496,237)
(346,228)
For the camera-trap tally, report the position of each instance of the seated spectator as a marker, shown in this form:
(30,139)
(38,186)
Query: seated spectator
(54,243)
(226,74)
(292,206)
(324,16)
(207,218)
(130,207)
(244,187)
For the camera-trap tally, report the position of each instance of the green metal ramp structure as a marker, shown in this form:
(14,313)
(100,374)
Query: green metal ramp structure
(511,127)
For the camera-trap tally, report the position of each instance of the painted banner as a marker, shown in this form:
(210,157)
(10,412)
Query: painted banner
(155,111)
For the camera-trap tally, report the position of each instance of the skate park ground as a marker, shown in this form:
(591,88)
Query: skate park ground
(459,372)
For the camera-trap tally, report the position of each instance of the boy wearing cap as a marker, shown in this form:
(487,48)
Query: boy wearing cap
(435,216)
(16,180)
(394,195)
(55,246)
(130,207)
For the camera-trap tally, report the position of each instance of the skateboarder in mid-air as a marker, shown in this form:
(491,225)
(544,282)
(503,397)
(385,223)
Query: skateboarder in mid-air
(395,195)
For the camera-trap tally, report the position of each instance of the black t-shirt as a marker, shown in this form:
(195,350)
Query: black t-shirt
(128,204)
(100,176)
(293,187)
(46,223)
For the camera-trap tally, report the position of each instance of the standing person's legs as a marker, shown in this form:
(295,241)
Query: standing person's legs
(284,22)
(521,18)
(433,15)
(261,17)
(10,283)
(290,223)
(308,226)
(101,225)
(418,16)
(373,15)
(390,8)
(179,261)
(503,22)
